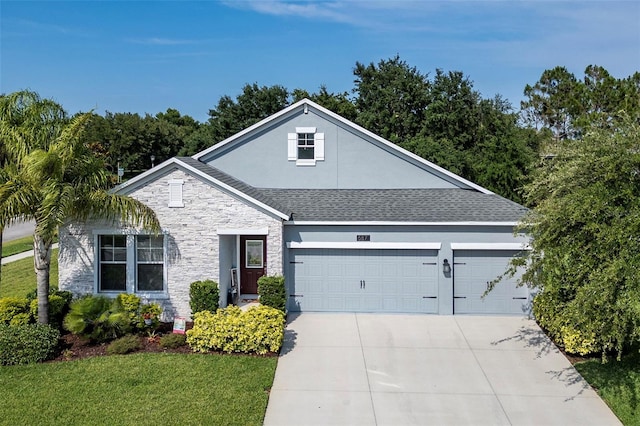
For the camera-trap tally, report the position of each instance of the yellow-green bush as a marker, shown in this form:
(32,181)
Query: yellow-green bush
(259,330)
(12,306)
(576,342)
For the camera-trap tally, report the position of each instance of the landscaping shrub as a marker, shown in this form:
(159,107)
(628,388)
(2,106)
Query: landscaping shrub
(58,308)
(97,318)
(173,340)
(272,292)
(12,306)
(21,319)
(24,344)
(129,303)
(124,345)
(258,330)
(204,296)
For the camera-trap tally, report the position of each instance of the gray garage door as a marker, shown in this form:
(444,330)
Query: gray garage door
(356,280)
(473,269)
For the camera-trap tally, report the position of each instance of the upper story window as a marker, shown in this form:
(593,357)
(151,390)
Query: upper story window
(306,146)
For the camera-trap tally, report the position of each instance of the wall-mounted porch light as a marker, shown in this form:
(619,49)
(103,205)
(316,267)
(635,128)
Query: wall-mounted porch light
(446,267)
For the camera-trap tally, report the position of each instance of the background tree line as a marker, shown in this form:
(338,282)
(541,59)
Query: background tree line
(441,118)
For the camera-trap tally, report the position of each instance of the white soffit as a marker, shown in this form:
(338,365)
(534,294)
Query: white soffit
(490,246)
(363,245)
(243,231)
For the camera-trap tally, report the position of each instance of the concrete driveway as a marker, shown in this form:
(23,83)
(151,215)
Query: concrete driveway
(369,369)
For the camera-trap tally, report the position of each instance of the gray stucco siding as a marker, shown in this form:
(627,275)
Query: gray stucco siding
(194,246)
(350,161)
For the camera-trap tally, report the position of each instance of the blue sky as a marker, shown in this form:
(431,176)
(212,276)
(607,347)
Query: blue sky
(147,56)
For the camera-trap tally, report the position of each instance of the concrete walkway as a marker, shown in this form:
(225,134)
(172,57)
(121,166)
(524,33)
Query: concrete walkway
(22,255)
(367,369)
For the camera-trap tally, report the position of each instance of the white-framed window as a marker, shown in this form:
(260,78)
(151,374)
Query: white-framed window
(306,146)
(131,263)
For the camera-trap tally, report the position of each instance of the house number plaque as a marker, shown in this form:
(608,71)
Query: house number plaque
(363,237)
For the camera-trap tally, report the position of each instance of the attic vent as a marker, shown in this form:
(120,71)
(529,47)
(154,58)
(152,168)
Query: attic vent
(175,193)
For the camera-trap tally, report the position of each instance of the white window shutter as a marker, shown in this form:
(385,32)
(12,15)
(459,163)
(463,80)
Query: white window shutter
(292,151)
(175,193)
(318,142)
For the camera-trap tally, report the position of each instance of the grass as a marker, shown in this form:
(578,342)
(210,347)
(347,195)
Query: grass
(17,246)
(618,383)
(19,278)
(139,389)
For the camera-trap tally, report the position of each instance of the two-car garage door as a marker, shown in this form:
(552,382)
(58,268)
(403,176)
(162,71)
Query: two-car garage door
(360,280)
(385,280)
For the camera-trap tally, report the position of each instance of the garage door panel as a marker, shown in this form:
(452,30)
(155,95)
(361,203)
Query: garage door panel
(392,280)
(473,270)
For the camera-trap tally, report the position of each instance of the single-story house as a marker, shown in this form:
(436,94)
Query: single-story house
(353,222)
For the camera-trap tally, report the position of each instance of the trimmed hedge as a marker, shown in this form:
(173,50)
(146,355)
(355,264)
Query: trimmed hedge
(272,292)
(124,345)
(173,340)
(258,330)
(25,344)
(204,296)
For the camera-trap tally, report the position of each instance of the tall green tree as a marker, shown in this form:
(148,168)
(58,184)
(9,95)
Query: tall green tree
(391,98)
(585,230)
(51,177)
(229,117)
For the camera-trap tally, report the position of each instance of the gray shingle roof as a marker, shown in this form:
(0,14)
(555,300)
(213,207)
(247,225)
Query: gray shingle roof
(375,205)
(234,183)
(396,205)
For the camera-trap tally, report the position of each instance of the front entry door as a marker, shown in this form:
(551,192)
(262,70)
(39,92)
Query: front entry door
(253,262)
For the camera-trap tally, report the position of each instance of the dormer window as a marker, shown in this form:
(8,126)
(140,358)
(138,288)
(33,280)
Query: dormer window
(306,146)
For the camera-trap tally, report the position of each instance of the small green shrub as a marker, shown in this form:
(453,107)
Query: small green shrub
(21,319)
(258,330)
(204,296)
(97,318)
(12,306)
(173,340)
(150,312)
(272,292)
(124,345)
(25,344)
(58,308)
(129,303)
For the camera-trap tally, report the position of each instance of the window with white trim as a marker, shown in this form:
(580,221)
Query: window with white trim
(306,146)
(131,263)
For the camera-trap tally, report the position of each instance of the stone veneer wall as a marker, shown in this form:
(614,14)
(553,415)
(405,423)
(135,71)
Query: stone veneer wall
(193,240)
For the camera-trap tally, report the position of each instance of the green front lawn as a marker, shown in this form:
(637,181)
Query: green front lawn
(618,383)
(169,389)
(17,246)
(19,277)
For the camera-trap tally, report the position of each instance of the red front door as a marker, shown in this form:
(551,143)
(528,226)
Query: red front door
(253,262)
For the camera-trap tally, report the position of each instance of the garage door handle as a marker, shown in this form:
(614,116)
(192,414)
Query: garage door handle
(459,263)
(296,295)
(429,297)
(520,298)
(459,297)
(363,284)
(429,263)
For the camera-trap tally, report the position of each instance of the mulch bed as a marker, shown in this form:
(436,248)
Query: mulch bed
(75,347)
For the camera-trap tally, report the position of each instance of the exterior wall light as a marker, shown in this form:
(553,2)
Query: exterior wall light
(446,267)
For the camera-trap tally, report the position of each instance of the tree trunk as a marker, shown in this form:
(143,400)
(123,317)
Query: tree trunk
(42,265)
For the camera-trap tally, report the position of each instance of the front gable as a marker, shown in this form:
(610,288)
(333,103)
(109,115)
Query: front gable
(346,156)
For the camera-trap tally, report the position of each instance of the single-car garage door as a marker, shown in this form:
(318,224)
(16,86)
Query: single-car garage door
(473,269)
(363,280)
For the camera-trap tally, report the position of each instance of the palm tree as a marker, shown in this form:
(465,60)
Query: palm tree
(51,177)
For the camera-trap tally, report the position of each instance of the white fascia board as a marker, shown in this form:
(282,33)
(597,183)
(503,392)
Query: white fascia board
(233,190)
(490,246)
(145,176)
(243,231)
(249,129)
(388,223)
(362,245)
